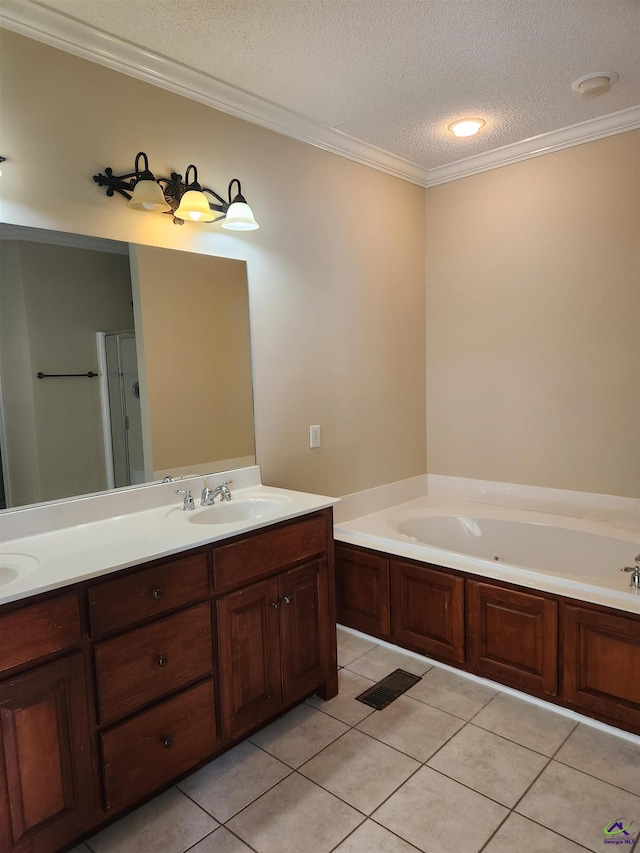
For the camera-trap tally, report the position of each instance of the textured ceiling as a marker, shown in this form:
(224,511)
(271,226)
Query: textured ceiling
(395,73)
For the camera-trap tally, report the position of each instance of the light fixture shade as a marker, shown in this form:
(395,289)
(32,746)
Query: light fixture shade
(467,126)
(239,218)
(148,196)
(194,207)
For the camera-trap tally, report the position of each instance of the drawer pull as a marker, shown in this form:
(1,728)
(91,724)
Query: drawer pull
(157,594)
(275,605)
(163,660)
(288,599)
(167,742)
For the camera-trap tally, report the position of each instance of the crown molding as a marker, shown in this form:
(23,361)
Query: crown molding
(30,19)
(57,30)
(536,146)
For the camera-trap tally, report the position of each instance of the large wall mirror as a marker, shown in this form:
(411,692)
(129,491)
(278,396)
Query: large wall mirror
(119,365)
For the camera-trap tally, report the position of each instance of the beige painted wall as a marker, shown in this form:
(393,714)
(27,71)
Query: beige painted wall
(193,326)
(533,321)
(54,426)
(336,273)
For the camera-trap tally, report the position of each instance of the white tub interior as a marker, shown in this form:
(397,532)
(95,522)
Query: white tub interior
(575,557)
(533,545)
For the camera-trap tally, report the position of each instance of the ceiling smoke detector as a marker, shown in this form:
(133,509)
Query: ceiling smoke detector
(594,84)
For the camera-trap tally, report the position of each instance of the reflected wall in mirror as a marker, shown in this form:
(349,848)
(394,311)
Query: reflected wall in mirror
(165,332)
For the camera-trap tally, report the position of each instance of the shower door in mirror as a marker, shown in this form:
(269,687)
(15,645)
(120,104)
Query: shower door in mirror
(122,424)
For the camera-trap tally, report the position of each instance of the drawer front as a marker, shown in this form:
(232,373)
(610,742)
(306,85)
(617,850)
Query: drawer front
(265,553)
(150,592)
(39,629)
(148,662)
(144,753)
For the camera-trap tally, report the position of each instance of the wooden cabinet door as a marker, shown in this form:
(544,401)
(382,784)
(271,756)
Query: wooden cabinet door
(46,789)
(427,610)
(601,664)
(362,590)
(513,637)
(249,654)
(303,629)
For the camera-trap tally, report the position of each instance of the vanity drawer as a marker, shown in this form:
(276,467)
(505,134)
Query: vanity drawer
(37,630)
(144,753)
(146,663)
(265,553)
(150,592)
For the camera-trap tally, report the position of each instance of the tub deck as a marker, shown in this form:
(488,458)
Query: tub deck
(383,531)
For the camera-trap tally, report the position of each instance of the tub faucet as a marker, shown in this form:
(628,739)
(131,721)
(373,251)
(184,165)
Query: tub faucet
(635,577)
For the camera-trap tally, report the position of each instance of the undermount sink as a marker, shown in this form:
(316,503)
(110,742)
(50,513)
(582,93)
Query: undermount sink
(249,509)
(13,565)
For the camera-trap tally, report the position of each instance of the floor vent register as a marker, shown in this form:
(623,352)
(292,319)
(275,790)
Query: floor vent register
(386,691)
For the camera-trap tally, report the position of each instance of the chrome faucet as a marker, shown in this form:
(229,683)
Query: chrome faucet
(188,503)
(208,496)
(635,577)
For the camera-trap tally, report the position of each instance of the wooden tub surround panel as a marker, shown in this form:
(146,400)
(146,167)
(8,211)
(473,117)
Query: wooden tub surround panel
(582,656)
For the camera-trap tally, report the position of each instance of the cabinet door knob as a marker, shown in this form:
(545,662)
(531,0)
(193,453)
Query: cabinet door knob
(288,599)
(275,605)
(157,593)
(167,742)
(162,660)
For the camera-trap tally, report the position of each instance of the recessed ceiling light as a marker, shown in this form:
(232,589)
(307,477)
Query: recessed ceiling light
(594,84)
(467,126)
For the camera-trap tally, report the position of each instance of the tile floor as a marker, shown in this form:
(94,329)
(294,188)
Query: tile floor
(450,767)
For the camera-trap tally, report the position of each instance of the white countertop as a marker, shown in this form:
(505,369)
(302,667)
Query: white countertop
(58,558)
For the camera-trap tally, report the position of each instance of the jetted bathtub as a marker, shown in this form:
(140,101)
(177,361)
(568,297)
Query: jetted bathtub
(576,557)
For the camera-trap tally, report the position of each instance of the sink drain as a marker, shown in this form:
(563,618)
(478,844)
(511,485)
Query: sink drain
(497,558)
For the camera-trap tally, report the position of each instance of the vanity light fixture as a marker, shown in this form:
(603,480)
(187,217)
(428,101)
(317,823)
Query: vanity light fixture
(185,200)
(467,126)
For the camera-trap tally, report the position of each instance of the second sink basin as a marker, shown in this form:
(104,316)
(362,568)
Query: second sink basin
(14,565)
(241,510)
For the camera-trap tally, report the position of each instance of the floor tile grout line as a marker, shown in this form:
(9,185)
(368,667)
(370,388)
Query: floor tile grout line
(469,788)
(266,791)
(555,831)
(342,840)
(209,834)
(551,758)
(333,716)
(515,742)
(377,823)
(413,846)
(519,743)
(486,704)
(597,778)
(496,831)
(402,752)
(364,734)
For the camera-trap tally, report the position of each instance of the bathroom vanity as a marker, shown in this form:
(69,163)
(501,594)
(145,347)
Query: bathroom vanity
(114,686)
